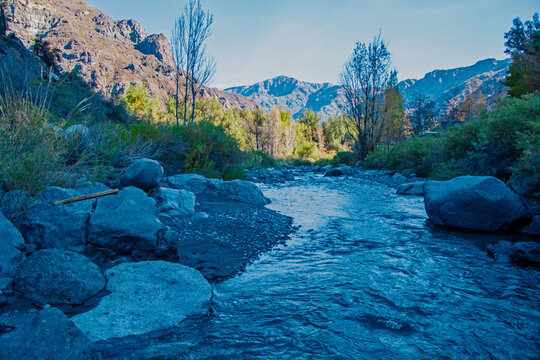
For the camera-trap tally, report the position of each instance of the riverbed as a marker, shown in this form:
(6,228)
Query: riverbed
(367,277)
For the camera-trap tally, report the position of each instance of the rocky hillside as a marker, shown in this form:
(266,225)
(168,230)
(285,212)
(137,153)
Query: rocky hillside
(445,87)
(109,54)
(294,95)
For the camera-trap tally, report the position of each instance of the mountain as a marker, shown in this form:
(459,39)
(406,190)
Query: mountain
(109,54)
(445,87)
(294,95)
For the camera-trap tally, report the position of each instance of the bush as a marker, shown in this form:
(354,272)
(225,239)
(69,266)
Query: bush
(504,143)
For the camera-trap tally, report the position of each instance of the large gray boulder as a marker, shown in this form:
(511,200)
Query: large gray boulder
(174,202)
(143,173)
(125,223)
(44,335)
(342,170)
(238,190)
(190,182)
(11,247)
(54,276)
(145,297)
(474,202)
(416,188)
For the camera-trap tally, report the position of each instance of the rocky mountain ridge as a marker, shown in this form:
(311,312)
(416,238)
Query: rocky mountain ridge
(109,54)
(448,88)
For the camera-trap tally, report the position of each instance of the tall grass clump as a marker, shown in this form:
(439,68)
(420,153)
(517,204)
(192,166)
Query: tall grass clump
(30,148)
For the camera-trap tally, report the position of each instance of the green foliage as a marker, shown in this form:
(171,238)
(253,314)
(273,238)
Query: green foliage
(137,101)
(339,133)
(345,157)
(46,52)
(504,143)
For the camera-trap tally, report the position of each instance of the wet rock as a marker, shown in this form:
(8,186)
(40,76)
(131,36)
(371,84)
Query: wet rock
(189,182)
(174,202)
(416,188)
(125,223)
(55,276)
(533,229)
(238,190)
(526,254)
(343,170)
(145,297)
(11,247)
(270,175)
(47,334)
(474,202)
(397,178)
(143,173)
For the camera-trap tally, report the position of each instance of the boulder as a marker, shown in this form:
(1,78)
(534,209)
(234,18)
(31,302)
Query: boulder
(474,202)
(190,182)
(399,179)
(343,170)
(143,173)
(533,229)
(11,247)
(525,186)
(145,297)
(174,202)
(47,334)
(238,190)
(125,223)
(416,188)
(54,276)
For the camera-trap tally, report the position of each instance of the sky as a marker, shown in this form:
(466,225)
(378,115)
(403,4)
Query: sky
(311,40)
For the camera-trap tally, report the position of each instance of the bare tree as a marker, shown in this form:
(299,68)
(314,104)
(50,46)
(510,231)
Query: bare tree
(190,32)
(365,78)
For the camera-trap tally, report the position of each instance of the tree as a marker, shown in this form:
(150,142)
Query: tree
(46,52)
(523,43)
(423,114)
(365,78)
(256,126)
(339,133)
(190,32)
(312,121)
(394,122)
(4,17)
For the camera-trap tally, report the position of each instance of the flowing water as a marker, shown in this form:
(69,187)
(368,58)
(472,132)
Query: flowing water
(366,277)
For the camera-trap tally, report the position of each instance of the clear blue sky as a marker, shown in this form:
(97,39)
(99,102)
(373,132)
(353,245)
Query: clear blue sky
(311,39)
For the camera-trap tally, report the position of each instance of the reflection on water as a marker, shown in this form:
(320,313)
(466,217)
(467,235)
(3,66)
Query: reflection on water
(365,277)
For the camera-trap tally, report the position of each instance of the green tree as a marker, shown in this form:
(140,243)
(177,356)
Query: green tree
(137,101)
(49,55)
(339,133)
(395,125)
(523,43)
(423,114)
(312,121)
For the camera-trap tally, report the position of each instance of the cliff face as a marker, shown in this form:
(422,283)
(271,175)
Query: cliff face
(109,54)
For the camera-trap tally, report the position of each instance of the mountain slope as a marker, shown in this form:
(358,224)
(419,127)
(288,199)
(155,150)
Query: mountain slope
(109,54)
(294,95)
(445,87)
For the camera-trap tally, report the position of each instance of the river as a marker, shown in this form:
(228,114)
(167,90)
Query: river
(365,277)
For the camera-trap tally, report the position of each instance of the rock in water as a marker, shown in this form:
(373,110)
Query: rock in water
(143,173)
(343,170)
(238,190)
(47,334)
(145,297)
(55,276)
(189,182)
(526,254)
(174,202)
(11,245)
(416,188)
(474,202)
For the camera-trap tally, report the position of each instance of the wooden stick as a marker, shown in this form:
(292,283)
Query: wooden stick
(85,197)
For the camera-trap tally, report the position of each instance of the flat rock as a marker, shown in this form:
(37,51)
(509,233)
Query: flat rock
(174,202)
(343,170)
(54,276)
(143,173)
(47,334)
(238,190)
(474,202)
(416,188)
(145,296)
(189,182)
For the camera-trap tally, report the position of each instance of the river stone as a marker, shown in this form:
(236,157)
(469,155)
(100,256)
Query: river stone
(399,179)
(143,173)
(47,334)
(145,297)
(474,202)
(174,202)
(125,223)
(533,229)
(343,170)
(238,190)
(54,276)
(416,188)
(11,246)
(190,182)
(526,254)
